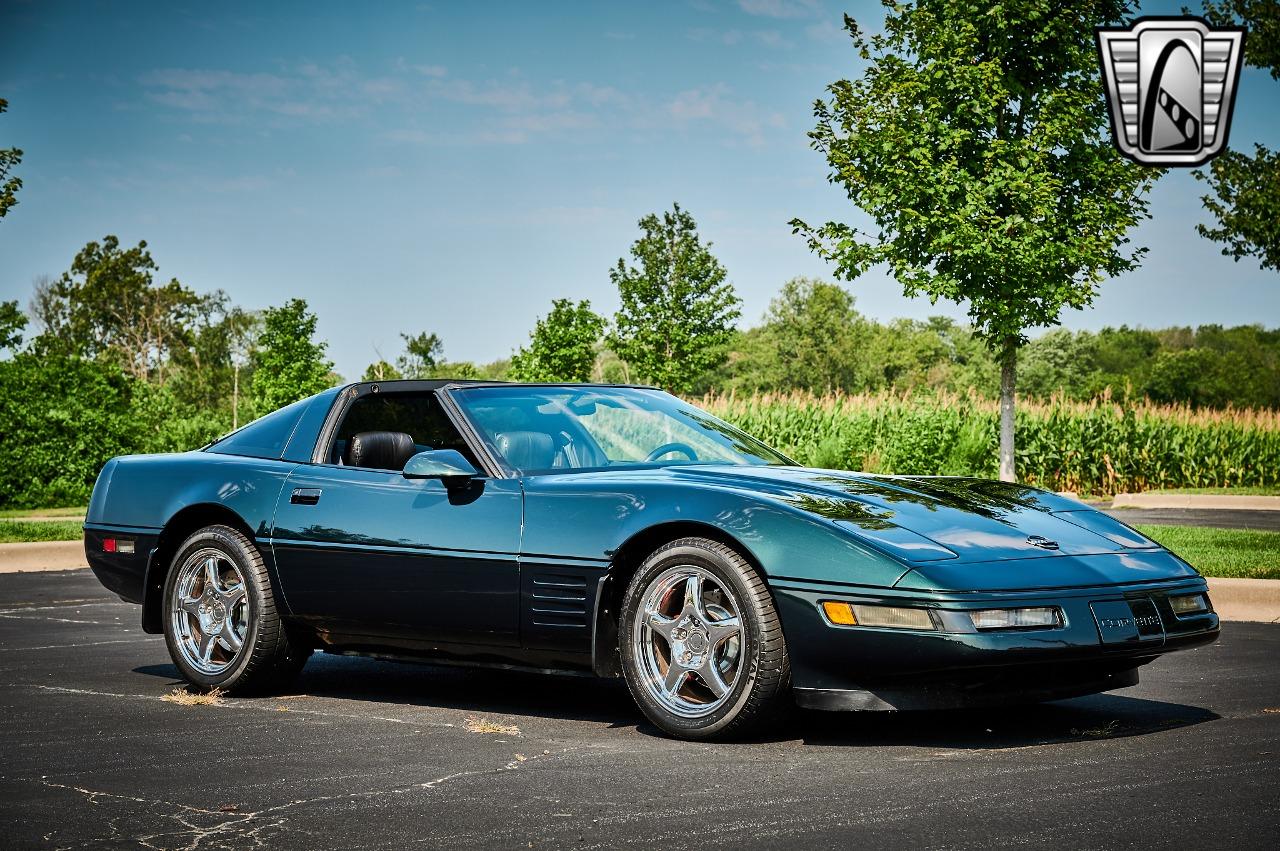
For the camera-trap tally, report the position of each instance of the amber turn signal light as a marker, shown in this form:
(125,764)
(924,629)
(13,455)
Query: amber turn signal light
(841,613)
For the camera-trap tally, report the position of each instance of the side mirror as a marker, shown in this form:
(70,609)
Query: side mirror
(447,465)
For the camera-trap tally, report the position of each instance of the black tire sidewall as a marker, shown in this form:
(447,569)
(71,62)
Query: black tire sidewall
(707,558)
(233,546)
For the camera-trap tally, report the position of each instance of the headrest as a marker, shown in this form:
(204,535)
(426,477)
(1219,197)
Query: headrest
(379,450)
(526,450)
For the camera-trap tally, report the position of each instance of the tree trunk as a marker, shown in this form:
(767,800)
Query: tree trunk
(1008,380)
(235,400)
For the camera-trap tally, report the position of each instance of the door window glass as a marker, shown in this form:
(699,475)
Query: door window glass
(418,415)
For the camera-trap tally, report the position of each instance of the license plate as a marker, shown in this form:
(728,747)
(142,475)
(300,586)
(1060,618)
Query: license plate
(1127,621)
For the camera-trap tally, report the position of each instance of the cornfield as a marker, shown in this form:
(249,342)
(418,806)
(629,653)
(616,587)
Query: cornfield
(1098,447)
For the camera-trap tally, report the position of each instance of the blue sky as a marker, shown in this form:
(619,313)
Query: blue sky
(454,167)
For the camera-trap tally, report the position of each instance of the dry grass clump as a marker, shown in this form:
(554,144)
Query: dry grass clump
(484,725)
(184,697)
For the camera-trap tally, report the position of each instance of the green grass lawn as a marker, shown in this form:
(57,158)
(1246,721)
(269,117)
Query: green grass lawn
(14,531)
(1237,553)
(19,513)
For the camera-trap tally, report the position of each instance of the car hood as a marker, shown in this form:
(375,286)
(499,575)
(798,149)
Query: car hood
(923,519)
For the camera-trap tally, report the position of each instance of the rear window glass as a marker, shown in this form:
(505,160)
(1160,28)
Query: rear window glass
(264,437)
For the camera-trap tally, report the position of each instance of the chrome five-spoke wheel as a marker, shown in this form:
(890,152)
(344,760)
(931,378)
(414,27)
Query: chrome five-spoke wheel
(688,641)
(210,611)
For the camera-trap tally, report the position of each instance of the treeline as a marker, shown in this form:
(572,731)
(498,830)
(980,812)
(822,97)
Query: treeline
(111,358)
(813,339)
(122,362)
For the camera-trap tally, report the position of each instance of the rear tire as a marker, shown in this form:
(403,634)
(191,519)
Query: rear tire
(701,642)
(220,619)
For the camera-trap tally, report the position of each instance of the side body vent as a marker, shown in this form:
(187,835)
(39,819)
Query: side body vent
(557,606)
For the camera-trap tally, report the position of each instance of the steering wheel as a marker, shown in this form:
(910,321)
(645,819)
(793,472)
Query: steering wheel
(666,448)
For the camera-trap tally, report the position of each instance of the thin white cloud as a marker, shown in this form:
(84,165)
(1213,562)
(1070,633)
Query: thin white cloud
(308,92)
(715,105)
(781,8)
(765,38)
(511,110)
(827,30)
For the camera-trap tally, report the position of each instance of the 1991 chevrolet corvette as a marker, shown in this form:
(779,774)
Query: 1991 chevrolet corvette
(622,532)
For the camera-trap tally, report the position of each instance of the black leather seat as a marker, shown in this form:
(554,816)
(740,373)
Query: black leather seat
(527,450)
(379,450)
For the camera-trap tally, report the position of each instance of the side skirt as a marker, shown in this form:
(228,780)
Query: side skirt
(408,659)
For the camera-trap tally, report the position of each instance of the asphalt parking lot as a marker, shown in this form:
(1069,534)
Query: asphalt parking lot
(368,754)
(1267,521)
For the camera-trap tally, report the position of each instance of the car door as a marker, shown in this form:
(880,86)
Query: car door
(367,551)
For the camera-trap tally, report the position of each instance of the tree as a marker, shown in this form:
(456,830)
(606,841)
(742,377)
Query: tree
(12,323)
(108,306)
(977,142)
(816,335)
(562,346)
(288,364)
(9,186)
(422,356)
(206,371)
(380,370)
(1247,205)
(242,338)
(1247,188)
(677,311)
(1058,361)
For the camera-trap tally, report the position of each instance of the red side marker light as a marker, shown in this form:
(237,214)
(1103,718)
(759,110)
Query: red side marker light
(108,545)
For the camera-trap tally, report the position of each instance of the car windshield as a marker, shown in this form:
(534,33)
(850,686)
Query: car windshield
(544,429)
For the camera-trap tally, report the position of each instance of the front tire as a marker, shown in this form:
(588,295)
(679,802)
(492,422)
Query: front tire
(701,642)
(220,619)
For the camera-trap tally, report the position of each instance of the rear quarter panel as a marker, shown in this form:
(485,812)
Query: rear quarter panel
(136,496)
(145,491)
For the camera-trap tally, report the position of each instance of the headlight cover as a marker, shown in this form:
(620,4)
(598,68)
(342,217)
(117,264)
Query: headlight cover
(1034,617)
(1189,604)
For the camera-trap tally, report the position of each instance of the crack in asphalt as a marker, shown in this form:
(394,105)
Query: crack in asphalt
(229,831)
(81,644)
(58,604)
(56,620)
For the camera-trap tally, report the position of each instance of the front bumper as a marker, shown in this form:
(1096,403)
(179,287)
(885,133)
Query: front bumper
(855,667)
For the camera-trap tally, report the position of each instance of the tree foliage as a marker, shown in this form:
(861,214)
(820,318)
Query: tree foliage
(9,184)
(63,417)
(1246,189)
(677,310)
(289,364)
(562,346)
(108,306)
(816,335)
(12,323)
(1246,205)
(1262,18)
(977,143)
(423,354)
(380,370)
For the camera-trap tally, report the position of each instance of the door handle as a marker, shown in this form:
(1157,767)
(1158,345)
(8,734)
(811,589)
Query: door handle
(305,496)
